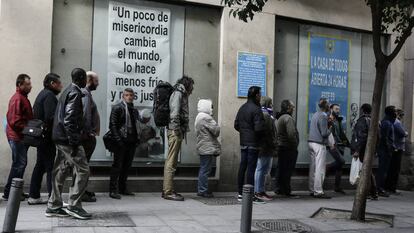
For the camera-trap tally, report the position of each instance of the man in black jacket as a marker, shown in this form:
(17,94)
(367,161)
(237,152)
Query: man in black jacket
(250,125)
(70,158)
(44,109)
(359,143)
(122,124)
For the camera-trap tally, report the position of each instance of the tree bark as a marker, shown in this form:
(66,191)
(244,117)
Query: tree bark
(358,210)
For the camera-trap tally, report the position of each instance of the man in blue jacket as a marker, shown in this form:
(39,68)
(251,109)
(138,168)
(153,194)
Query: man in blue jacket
(386,148)
(400,134)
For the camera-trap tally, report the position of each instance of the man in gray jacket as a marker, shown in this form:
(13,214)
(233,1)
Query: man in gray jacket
(91,126)
(288,141)
(177,129)
(319,132)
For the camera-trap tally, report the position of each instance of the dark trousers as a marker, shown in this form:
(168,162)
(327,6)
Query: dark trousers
(248,163)
(384,161)
(46,154)
(19,163)
(391,181)
(286,166)
(336,165)
(123,158)
(89,145)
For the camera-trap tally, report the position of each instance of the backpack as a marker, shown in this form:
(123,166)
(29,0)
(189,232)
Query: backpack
(34,133)
(161,106)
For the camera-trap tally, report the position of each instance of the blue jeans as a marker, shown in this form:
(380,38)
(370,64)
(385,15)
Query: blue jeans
(19,162)
(205,169)
(248,162)
(264,165)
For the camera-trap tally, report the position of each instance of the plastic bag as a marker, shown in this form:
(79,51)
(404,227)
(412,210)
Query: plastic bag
(356,167)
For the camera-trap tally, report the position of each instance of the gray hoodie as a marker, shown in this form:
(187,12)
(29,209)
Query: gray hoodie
(319,131)
(207,130)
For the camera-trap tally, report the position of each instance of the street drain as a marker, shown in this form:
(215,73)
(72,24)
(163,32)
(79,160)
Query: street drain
(218,201)
(114,219)
(282,226)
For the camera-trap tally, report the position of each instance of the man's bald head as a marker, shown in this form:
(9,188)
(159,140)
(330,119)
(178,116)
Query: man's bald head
(93,80)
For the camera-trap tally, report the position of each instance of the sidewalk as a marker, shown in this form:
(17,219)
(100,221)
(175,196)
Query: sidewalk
(147,212)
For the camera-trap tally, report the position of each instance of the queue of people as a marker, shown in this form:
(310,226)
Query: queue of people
(265,135)
(70,125)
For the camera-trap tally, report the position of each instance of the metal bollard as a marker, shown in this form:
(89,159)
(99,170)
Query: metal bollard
(13,205)
(247,208)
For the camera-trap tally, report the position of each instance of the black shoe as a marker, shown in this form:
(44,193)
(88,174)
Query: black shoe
(321,196)
(372,197)
(22,198)
(394,192)
(339,190)
(173,197)
(205,195)
(127,193)
(56,213)
(382,193)
(92,194)
(78,213)
(114,195)
(25,195)
(87,198)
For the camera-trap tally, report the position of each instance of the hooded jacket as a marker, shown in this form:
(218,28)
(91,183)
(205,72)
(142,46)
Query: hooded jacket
(179,115)
(268,144)
(207,130)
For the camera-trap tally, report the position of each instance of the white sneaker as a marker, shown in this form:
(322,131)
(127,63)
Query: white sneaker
(36,201)
(239,197)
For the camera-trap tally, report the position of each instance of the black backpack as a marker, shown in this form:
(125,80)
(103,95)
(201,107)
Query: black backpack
(161,107)
(34,133)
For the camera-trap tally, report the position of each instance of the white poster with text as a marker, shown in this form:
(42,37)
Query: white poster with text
(138,51)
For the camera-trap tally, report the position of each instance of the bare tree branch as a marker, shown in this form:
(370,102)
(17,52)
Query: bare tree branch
(407,32)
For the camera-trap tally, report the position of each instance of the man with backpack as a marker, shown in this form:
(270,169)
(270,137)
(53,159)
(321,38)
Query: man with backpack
(18,115)
(44,109)
(123,127)
(178,126)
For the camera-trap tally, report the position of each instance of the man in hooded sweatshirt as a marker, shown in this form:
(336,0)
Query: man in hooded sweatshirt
(268,150)
(208,146)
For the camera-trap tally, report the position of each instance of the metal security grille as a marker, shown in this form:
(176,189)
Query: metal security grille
(114,219)
(218,201)
(282,226)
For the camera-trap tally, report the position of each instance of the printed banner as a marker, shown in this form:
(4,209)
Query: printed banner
(329,63)
(138,51)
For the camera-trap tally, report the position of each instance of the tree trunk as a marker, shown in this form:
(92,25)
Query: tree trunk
(358,210)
